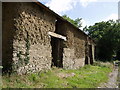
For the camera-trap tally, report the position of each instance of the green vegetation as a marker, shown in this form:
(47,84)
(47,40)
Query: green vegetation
(27,58)
(86,77)
(77,22)
(23,61)
(107,37)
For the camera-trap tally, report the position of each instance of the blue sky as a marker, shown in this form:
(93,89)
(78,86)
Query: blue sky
(91,11)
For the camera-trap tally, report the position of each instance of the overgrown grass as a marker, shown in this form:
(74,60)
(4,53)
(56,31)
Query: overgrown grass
(86,77)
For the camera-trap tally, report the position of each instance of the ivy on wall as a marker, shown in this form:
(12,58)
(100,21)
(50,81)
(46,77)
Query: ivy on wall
(26,60)
(23,61)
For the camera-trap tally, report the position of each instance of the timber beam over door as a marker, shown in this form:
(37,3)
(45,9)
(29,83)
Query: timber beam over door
(57,36)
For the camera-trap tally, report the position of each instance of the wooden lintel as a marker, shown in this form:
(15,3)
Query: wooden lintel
(57,35)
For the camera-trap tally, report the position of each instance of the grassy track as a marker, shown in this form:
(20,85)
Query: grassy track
(86,77)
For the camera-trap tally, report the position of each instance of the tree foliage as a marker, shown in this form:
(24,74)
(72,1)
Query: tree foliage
(77,22)
(107,37)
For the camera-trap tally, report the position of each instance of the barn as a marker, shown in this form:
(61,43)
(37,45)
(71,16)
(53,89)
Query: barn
(34,38)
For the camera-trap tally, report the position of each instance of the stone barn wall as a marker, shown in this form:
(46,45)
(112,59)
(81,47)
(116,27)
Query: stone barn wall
(25,37)
(8,32)
(74,52)
(27,46)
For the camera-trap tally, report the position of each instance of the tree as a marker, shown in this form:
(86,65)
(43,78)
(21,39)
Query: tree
(77,22)
(107,37)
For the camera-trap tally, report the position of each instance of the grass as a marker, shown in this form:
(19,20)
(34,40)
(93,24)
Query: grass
(86,77)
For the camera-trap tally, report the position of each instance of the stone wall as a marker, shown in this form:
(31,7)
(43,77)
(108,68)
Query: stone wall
(27,47)
(31,50)
(8,32)
(74,51)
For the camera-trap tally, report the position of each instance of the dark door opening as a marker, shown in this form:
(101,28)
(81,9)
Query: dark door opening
(90,54)
(86,53)
(57,46)
(57,52)
(95,53)
(86,60)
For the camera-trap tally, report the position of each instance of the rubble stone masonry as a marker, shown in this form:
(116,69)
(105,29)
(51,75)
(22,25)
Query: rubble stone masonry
(31,48)
(26,44)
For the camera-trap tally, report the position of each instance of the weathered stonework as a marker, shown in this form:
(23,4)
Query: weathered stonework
(31,25)
(74,47)
(34,24)
(27,46)
(74,54)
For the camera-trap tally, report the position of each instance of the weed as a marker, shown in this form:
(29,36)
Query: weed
(85,77)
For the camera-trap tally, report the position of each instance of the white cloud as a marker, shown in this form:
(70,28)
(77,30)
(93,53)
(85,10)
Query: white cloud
(61,6)
(110,17)
(108,0)
(84,23)
(85,3)
(65,5)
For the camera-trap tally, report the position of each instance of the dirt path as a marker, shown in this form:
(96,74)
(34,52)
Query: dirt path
(112,82)
(119,77)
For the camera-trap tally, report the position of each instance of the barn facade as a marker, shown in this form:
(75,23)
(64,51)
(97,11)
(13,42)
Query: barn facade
(34,38)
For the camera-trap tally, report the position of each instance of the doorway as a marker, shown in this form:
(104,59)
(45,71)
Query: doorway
(57,47)
(90,54)
(86,60)
(57,52)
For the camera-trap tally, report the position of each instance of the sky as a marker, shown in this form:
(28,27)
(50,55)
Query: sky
(91,11)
